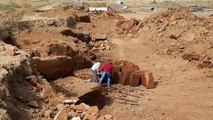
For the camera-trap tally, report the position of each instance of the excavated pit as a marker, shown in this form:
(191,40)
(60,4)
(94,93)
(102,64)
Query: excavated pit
(28,97)
(30,94)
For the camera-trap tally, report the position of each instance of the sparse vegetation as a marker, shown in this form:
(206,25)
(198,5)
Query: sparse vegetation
(154,2)
(11,4)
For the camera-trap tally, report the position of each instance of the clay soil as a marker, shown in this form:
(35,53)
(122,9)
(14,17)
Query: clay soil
(156,42)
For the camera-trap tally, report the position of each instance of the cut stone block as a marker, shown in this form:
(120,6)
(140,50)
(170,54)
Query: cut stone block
(147,79)
(116,77)
(125,79)
(135,79)
(116,68)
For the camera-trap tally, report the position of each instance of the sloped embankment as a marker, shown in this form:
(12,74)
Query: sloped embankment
(176,32)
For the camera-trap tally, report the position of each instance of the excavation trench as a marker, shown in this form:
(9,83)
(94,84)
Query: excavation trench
(58,68)
(60,63)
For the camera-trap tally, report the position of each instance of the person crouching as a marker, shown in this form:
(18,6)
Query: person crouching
(94,70)
(107,70)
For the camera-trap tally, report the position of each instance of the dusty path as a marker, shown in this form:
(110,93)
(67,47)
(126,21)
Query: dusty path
(183,91)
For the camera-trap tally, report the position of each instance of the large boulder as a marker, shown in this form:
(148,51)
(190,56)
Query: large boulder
(53,67)
(82,17)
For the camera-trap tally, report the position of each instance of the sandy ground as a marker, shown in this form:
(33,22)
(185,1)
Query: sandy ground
(183,91)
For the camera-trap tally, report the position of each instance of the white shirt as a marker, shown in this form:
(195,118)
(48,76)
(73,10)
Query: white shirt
(96,66)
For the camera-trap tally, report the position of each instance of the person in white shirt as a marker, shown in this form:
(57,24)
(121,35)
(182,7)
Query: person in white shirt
(94,69)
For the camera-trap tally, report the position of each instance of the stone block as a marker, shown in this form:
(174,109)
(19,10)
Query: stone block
(135,79)
(125,79)
(116,68)
(116,77)
(83,18)
(147,79)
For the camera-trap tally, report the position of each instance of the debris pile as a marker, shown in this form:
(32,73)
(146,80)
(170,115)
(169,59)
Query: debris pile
(81,100)
(128,26)
(100,46)
(202,61)
(107,14)
(80,112)
(15,66)
(174,32)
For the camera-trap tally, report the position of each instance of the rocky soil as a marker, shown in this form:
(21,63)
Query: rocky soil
(46,55)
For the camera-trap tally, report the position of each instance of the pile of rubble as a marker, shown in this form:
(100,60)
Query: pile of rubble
(174,32)
(101,46)
(15,66)
(130,27)
(70,111)
(203,62)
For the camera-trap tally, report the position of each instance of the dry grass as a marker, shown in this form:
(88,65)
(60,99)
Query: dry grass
(11,4)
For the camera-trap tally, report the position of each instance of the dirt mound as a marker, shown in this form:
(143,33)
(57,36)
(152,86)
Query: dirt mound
(128,26)
(176,32)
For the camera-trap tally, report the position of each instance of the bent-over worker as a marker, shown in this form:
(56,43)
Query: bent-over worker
(107,70)
(94,70)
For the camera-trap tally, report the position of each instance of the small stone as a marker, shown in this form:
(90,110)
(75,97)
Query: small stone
(80,107)
(34,82)
(28,78)
(101,118)
(61,115)
(2,48)
(99,37)
(90,117)
(22,99)
(60,106)
(4,115)
(76,118)
(9,52)
(108,117)
(92,110)
(72,100)
(73,114)
(33,104)
(47,113)
(108,47)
